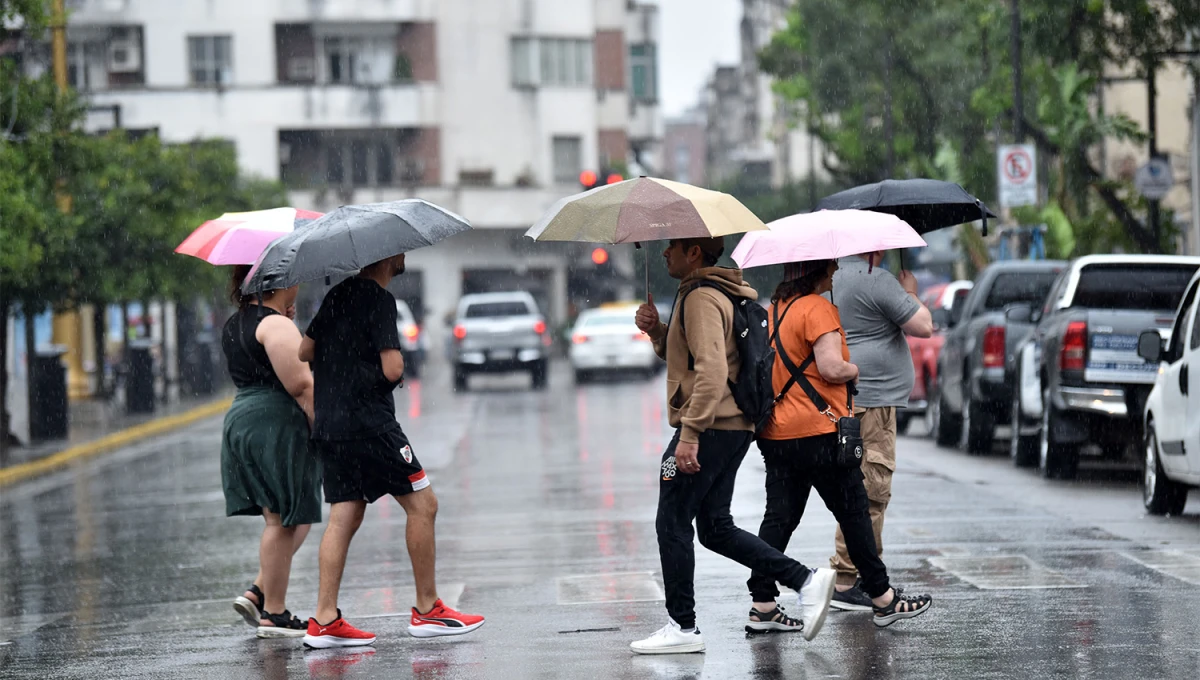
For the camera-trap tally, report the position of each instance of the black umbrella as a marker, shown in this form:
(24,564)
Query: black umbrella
(350,238)
(926,204)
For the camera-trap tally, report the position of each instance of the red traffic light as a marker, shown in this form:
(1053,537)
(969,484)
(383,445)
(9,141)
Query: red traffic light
(599,256)
(614,178)
(588,179)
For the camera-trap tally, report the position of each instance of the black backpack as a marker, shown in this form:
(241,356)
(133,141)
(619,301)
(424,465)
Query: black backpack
(752,391)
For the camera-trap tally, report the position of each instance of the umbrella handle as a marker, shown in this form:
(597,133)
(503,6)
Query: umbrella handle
(638,246)
(983,214)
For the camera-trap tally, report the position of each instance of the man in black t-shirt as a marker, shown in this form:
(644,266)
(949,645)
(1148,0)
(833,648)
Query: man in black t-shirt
(354,347)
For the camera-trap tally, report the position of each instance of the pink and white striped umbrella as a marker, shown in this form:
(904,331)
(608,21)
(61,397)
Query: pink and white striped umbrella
(824,235)
(239,238)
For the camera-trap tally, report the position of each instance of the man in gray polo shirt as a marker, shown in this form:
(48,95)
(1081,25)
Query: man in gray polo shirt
(877,311)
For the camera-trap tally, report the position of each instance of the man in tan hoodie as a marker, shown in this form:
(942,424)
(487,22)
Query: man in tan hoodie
(712,436)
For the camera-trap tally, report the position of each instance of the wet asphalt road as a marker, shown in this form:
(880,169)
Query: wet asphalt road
(125,567)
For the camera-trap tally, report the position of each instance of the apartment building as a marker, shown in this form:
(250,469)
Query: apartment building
(491,108)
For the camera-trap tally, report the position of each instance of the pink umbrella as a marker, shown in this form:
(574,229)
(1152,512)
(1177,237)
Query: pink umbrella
(824,235)
(239,238)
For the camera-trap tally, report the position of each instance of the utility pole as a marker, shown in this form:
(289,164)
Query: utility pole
(67,329)
(1018,96)
(1152,215)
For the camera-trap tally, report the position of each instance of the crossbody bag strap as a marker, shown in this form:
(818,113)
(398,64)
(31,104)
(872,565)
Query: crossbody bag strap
(798,377)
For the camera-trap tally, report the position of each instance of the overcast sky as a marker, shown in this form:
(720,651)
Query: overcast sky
(696,36)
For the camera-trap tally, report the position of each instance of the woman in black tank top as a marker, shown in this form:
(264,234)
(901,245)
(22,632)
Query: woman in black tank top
(267,469)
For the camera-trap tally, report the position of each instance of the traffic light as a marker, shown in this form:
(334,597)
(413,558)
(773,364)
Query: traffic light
(599,257)
(613,178)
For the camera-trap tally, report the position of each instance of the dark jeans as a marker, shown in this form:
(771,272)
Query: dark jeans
(795,467)
(704,497)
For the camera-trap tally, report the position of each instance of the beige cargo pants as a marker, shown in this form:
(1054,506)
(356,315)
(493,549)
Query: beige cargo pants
(879,439)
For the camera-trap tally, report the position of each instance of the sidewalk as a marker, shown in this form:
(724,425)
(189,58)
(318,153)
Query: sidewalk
(95,426)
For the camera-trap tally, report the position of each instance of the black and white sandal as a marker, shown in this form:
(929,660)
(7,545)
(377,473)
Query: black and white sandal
(282,626)
(252,613)
(774,621)
(902,607)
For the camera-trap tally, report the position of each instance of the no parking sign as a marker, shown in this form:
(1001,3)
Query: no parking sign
(1017,172)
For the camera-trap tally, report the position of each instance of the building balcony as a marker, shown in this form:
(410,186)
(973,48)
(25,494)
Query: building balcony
(204,112)
(284,10)
(484,207)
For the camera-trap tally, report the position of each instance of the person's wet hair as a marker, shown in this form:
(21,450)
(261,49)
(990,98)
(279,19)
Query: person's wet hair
(237,278)
(806,284)
(711,249)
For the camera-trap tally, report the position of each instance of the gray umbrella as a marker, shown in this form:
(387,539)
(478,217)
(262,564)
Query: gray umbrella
(350,238)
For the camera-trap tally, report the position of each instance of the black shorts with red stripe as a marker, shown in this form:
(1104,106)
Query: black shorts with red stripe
(367,469)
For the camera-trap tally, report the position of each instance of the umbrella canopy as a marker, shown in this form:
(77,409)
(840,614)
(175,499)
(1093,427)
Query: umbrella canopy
(644,209)
(926,204)
(240,237)
(824,235)
(350,238)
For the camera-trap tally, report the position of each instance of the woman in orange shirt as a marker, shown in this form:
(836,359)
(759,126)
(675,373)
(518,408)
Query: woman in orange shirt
(799,447)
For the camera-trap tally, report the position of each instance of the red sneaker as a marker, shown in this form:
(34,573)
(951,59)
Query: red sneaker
(336,634)
(442,620)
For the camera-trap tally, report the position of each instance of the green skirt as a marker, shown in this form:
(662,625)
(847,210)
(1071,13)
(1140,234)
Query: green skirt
(266,461)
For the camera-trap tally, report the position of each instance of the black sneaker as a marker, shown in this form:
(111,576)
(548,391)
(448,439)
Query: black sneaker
(853,600)
(775,620)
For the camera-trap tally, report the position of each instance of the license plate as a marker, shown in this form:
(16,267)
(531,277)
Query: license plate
(502,355)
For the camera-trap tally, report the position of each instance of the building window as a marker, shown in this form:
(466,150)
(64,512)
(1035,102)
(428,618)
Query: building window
(362,60)
(643,72)
(86,69)
(568,159)
(551,62)
(210,59)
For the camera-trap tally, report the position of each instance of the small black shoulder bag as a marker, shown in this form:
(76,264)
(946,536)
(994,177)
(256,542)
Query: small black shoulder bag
(849,429)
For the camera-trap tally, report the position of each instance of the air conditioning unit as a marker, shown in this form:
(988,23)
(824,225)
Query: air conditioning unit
(302,69)
(124,51)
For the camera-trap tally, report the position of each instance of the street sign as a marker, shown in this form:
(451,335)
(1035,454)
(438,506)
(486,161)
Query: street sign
(1154,179)
(1016,168)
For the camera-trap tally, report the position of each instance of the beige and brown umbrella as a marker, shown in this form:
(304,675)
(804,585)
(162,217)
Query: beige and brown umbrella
(644,209)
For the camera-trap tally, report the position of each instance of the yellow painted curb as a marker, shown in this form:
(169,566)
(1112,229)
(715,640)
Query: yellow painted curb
(125,437)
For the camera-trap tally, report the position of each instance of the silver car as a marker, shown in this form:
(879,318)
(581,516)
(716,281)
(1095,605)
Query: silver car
(500,333)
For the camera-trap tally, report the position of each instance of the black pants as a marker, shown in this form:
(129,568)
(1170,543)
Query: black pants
(794,468)
(704,497)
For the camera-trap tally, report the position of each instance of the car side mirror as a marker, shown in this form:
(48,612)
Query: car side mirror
(1150,346)
(1019,313)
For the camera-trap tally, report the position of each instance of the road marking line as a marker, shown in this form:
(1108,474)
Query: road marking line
(1003,572)
(36,468)
(1174,563)
(638,586)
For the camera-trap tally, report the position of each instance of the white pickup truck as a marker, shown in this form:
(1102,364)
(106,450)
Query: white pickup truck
(500,333)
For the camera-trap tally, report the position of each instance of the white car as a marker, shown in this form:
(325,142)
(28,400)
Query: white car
(1172,413)
(412,341)
(607,340)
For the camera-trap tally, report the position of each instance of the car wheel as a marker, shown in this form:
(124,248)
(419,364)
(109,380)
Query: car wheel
(1055,460)
(978,429)
(538,375)
(582,377)
(903,420)
(948,427)
(1022,448)
(1160,495)
(460,379)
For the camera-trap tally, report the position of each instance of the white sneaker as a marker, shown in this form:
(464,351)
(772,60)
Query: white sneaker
(670,639)
(814,600)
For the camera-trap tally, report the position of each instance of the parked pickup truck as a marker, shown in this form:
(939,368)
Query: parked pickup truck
(940,300)
(1082,381)
(499,333)
(974,383)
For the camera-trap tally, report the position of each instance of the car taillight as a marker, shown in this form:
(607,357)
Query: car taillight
(1074,347)
(993,347)
(579,339)
(411,332)
(539,327)
(460,333)
(641,336)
